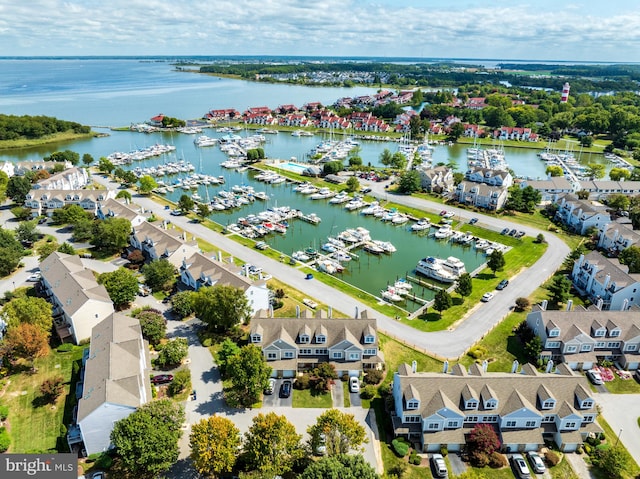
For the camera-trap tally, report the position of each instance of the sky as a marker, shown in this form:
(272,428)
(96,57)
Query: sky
(582,30)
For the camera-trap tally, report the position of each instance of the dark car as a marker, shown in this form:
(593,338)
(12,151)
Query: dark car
(512,232)
(285,389)
(162,379)
(473,221)
(502,284)
(505,231)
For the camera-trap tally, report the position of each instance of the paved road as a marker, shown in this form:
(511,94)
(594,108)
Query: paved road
(622,412)
(451,343)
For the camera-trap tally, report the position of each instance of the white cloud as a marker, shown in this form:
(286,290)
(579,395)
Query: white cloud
(583,30)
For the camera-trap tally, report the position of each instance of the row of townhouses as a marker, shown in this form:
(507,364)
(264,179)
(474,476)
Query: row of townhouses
(554,187)
(19,168)
(484,187)
(46,201)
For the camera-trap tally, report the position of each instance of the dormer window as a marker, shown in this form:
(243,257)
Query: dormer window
(305,339)
(471,404)
(554,333)
(321,339)
(549,404)
(491,404)
(256,338)
(599,333)
(615,333)
(413,404)
(369,339)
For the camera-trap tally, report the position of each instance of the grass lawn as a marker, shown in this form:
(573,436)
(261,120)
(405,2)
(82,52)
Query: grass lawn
(562,471)
(57,137)
(623,386)
(311,398)
(346,393)
(396,353)
(35,427)
(632,470)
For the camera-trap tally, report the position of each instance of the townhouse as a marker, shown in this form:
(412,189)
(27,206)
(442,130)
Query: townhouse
(481,195)
(71,179)
(515,133)
(197,271)
(112,208)
(489,176)
(157,243)
(44,202)
(606,282)
(294,345)
(551,188)
(580,215)
(582,337)
(526,408)
(114,381)
(617,237)
(79,302)
(601,189)
(222,115)
(438,179)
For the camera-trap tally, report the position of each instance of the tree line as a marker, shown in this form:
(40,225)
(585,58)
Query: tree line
(14,127)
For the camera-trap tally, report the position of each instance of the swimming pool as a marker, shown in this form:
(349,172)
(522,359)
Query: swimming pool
(293,167)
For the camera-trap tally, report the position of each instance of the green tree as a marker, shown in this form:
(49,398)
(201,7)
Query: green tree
(173,352)
(182,303)
(83,230)
(17,189)
(409,182)
(554,170)
(617,174)
(582,194)
(332,167)
(631,257)
(323,375)
(353,184)
(442,301)
(222,307)
(228,349)
(11,252)
(465,286)
(87,159)
(340,431)
(147,184)
(271,445)
(21,213)
(66,248)
(111,234)
(105,165)
(185,204)
(147,439)
(619,202)
(69,215)
(249,375)
(62,156)
(386,157)
(28,231)
(153,326)
(559,289)
(4,181)
(612,461)
(345,466)
(398,161)
(29,310)
(496,261)
(595,171)
(533,348)
(456,131)
(214,442)
(203,211)
(121,284)
(159,275)
(124,194)
(45,249)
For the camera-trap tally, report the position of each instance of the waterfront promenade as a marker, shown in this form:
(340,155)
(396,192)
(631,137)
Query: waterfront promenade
(446,344)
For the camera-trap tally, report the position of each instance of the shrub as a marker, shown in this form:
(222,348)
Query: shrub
(400,446)
(497,460)
(277,304)
(479,458)
(207,343)
(477,352)
(368,392)
(4,412)
(552,458)
(385,390)
(415,459)
(444,451)
(345,377)
(65,348)
(374,376)
(522,304)
(588,449)
(52,388)
(302,382)
(5,439)
(181,381)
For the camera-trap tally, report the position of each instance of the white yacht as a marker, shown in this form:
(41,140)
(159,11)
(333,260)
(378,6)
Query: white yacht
(432,268)
(204,140)
(421,225)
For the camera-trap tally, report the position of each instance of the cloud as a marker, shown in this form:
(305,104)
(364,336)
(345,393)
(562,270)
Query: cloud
(515,29)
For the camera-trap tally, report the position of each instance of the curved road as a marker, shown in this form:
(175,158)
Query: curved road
(447,344)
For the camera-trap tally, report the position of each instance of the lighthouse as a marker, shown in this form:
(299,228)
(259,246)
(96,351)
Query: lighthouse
(565,93)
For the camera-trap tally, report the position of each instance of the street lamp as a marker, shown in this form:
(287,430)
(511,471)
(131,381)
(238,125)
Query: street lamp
(14,285)
(618,438)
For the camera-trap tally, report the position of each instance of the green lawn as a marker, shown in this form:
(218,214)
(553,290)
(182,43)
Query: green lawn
(623,386)
(36,427)
(311,398)
(346,393)
(632,470)
(563,471)
(396,353)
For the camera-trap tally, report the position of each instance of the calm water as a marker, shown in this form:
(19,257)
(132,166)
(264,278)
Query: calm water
(119,92)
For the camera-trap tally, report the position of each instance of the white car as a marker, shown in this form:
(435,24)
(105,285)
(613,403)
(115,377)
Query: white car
(594,376)
(354,384)
(486,297)
(439,466)
(35,277)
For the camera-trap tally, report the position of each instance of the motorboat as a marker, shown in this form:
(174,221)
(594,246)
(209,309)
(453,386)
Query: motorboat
(205,140)
(444,232)
(432,268)
(328,248)
(386,246)
(421,225)
(402,284)
(454,265)
(371,247)
(341,197)
(300,256)
(399,219)
(391,294)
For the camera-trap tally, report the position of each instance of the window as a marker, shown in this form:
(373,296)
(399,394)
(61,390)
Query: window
(601,344)
(491,404)
(304,339)
(631,347)
(433,426)
(530,424)
(412,419)
(613,344)
(288,354)
(585,347)
(489,418)
(322,352)
(336,354)
(587,403)
(305,352)
(369,339)
(510,424)
(472,404)
(321,339)
(615,333)
(471,419)
(570,425)
(256,338)
(548,404)
(548,419)
(370,352)
(452,424)
(272,356)
(599,333)
(572,349)
(554,333)
(354,356)
(588,418)
(553,344)
(413,404)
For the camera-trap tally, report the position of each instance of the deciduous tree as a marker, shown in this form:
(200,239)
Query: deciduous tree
(442,301)
(342,433)
(28,231)
(249,374)
(111,234)
(153,325)
(203,211)
(182,303)
(69,215)
(214,445)
(185,204)
(481,442)
(496,261)
(159,274)
(26,341)
(29,310)
(51,388)
(345,466)
(222,307)
(617,174)
(465,285)
(173,352)
(147,439)
(121,284)
(409,182)
(631,257)
(17,189)
(45,249)
(147,184)
(271,445)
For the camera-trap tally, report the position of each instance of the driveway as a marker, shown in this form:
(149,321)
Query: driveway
(621,411)
(448,344)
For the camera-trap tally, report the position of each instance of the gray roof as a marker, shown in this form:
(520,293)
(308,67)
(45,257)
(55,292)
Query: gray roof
(582,321)
(198,265)
(611,267)
(112,369)
(119,208)
(68,195)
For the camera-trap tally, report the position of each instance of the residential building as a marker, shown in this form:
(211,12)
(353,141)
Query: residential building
(438,179)
(617,237)
(71,179)
(79,302)
(295,345)
(116,379)
(601,189)
(21,167)
(581,337)
(440,409)
(515,133)
(489,176)
(581,215)
(156,243)
(44,202)
(481,195)
(606,282)
(550,188)
(112,208)
(198,271)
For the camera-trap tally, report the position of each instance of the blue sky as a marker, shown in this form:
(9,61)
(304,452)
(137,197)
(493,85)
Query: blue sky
(582,30)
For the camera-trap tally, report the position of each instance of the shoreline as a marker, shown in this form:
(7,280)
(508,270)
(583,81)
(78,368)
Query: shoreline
(10,145)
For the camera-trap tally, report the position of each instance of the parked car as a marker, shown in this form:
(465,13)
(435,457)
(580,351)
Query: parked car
(354,384)
(439,466)
(35,277)
(144,290)
(473,221)
(270,387)
(536,462)
(637,374)
(520,467)
(505,231)
(486,297)
(443,212)
(162,379)
(512,232)
(365,190)
(502,284)
(285,389)
(594,376)
(176,213)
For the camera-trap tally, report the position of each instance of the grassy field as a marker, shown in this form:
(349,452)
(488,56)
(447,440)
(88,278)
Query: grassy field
(32,425)
(58,137)
(396,353)
(311,398)
(623,386)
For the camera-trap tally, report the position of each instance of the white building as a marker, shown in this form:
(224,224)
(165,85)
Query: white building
(617,237)
(438,179)
(581,215)
(489,176)
(112,208)
(158,243)
(71,179)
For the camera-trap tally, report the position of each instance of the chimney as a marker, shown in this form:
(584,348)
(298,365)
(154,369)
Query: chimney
(607,280)
(297,311)
(569,304)
(445,366)
(544,304)
(485,365)
(549,366)
(514,366)
(414,366)
(329,311)
(625,304)
(356,315)
(599,303)
(220,256)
